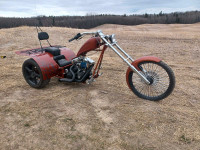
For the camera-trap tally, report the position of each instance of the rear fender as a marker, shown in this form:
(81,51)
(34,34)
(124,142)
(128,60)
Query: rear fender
(138,61)
(69,54)
(48,65)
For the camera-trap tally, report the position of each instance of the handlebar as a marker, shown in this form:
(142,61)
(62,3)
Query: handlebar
(79,35)
(97,33)
(76,37)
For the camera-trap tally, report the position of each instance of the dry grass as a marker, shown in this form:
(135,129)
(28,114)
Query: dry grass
(106,114)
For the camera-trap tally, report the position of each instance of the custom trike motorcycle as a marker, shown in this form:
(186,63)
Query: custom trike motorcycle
(148,77)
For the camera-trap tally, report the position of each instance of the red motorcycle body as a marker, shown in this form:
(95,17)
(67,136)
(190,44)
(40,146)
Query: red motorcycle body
(48,65)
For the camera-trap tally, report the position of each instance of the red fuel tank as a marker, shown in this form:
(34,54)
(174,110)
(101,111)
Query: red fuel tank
(91,44)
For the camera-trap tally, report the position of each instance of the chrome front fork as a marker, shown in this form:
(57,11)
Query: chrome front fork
(125,59)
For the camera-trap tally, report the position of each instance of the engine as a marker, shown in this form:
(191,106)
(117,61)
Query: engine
(80,71)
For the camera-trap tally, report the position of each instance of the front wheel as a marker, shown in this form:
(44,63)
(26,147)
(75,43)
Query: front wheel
(161,77)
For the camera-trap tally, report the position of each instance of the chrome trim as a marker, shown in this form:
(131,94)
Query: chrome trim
(129,57)
(88,33)
(90,60)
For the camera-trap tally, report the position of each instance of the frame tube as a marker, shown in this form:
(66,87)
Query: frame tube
(128,63)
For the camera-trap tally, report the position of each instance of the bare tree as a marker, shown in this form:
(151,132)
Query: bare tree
(93,20)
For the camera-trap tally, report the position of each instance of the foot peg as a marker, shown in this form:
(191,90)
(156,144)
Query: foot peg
(90,80)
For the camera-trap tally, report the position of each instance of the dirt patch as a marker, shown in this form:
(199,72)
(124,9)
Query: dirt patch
(102,107)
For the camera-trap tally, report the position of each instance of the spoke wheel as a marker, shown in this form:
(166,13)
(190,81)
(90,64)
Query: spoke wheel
(160,76)
(33,74)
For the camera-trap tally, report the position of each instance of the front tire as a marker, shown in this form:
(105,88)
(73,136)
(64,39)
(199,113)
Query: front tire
(161,77)
(33,74)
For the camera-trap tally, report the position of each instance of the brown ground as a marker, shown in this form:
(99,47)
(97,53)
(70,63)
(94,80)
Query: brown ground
(106,114)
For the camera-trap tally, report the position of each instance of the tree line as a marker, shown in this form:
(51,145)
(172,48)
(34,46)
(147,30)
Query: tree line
(91,21)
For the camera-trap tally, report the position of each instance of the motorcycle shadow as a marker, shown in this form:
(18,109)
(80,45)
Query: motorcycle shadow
(54,83)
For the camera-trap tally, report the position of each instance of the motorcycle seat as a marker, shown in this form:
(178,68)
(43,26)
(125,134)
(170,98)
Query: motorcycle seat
(61,61)
(53,50)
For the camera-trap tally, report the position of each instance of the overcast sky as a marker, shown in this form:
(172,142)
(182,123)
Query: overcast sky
(28,8)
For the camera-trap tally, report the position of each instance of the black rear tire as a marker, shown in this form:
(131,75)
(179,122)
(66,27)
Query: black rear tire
(161,77)
(33,74)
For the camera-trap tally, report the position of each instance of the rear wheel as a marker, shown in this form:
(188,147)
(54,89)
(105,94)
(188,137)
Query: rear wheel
(161,77)
(33,74)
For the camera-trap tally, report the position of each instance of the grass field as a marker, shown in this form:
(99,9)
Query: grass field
(105,114)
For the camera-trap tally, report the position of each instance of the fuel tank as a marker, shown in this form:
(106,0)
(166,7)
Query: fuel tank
(91,44)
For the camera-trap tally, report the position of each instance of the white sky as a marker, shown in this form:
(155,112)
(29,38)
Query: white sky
(29,8)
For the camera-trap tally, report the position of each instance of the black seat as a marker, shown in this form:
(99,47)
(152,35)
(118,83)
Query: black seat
(60,59)
(56,58)
(63,62)
(53,50)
